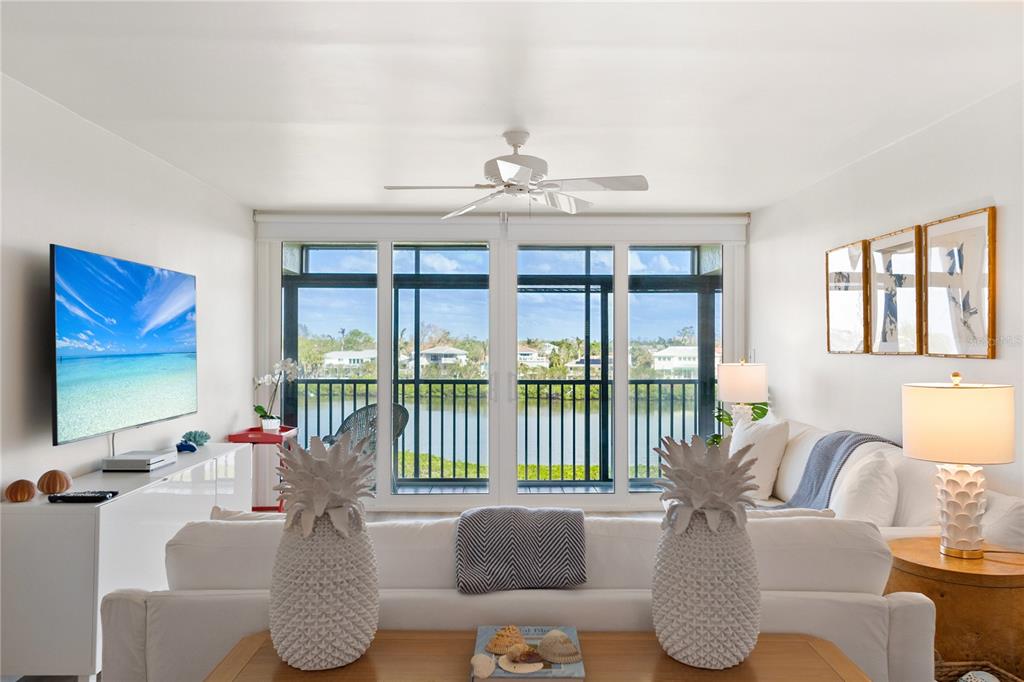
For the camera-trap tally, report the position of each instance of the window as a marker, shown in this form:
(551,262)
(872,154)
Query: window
(440,363)
(499,342)
(675,343)
(564,414)
(330,327)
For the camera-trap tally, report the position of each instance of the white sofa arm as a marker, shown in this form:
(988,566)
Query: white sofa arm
(911,637)
(123,617)
(176,635)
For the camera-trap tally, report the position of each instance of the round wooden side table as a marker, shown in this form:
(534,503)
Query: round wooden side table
(979,603)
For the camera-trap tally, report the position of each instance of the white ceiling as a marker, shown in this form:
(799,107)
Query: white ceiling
(725,107)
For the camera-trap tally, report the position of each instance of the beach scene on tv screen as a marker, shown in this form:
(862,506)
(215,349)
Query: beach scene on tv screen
(125,343)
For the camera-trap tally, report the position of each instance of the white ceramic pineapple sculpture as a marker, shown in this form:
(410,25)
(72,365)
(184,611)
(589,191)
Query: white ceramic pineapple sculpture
(706,598)
(323,593)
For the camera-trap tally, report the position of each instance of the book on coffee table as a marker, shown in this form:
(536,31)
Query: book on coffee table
(552,672)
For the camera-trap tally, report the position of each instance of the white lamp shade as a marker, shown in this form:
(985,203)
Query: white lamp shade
(966,424)
(742,382)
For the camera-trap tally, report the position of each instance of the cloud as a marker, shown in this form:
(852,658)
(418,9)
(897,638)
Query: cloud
(114,264)
(440,263)
(74,294)
(166,299)
(95,346)
(78,312)
(100,274)
(636,263)
(663,264)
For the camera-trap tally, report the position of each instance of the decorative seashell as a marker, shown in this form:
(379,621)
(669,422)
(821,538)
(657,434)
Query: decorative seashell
(483,666)
(20,491)
(558,647)
(524,653)
(519,668)
(53,481)
(504,639)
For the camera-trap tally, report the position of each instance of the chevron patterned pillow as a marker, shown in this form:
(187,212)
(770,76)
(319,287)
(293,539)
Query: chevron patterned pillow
(515,548)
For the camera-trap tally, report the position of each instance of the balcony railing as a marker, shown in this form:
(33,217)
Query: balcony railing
(563,432)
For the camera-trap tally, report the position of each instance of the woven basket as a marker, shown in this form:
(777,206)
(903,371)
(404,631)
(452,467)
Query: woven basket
(951,672)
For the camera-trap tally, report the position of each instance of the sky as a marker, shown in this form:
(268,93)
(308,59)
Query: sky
(548,316)
(108,306)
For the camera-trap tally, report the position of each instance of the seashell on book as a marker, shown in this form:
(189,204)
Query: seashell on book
(483,666)
(518,668)
(558,647)
(504,639)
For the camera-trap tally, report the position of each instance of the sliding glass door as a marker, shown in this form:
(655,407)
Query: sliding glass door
(440,364)
(675,344)
(330,326)
(564,350)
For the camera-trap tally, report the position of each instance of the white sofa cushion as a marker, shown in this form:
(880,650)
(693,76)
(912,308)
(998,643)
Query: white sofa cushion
(791,469)
(866,490)
(792,553)
(212,555)
(768,443)
(915,504)
(789,512)
(820,554)
(1003,522)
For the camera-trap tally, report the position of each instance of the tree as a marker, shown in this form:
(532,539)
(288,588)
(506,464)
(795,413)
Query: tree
(357,339)
(686,336)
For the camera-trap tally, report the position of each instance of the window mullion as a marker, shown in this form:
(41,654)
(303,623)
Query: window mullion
(503,459)
(620,373)
(385,375)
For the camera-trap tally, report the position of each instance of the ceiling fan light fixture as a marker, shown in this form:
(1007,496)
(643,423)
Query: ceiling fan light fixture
(517,174)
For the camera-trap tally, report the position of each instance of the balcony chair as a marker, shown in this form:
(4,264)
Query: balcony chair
(363,424)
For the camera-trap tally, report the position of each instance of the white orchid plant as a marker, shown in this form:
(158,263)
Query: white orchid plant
(282,371)
(322,481)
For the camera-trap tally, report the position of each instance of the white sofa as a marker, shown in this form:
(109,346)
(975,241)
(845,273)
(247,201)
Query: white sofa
(818,576)
(916,508)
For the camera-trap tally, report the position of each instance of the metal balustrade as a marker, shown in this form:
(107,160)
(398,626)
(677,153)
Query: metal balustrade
(564,428)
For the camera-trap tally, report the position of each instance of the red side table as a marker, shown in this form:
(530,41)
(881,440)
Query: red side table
(263,474)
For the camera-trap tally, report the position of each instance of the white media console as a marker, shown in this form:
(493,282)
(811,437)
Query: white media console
(59,560)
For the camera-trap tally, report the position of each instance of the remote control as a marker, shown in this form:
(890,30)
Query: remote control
(84,496)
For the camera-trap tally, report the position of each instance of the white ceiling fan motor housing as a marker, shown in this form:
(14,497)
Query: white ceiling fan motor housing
(538,165)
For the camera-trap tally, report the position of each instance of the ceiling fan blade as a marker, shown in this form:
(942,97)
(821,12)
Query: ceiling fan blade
(617,183)
(476,204)
(563,202)
(439,186)
(514,173)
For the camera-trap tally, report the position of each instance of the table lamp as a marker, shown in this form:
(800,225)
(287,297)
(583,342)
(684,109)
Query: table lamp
(961,427)
(742,383)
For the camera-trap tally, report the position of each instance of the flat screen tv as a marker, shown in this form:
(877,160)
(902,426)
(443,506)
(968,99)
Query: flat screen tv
(124,344)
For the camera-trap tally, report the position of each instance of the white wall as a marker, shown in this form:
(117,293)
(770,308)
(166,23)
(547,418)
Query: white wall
(67,181)
(969,160)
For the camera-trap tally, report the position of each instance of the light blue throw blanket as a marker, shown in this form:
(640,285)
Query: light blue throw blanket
(827,458)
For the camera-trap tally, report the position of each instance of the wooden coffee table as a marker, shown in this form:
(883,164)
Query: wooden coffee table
(443,656)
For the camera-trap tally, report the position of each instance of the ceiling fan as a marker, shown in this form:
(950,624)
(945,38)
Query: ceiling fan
(518,174)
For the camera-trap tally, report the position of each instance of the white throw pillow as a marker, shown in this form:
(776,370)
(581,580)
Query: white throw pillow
(769,440)
(220,514)
(866,490)
(789,512)
(1003,522)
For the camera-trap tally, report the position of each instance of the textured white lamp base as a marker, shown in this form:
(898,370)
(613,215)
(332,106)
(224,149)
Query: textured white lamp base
(742,413)
(962,503)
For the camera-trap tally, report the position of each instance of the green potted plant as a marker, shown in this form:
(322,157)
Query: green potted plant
(285,370)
